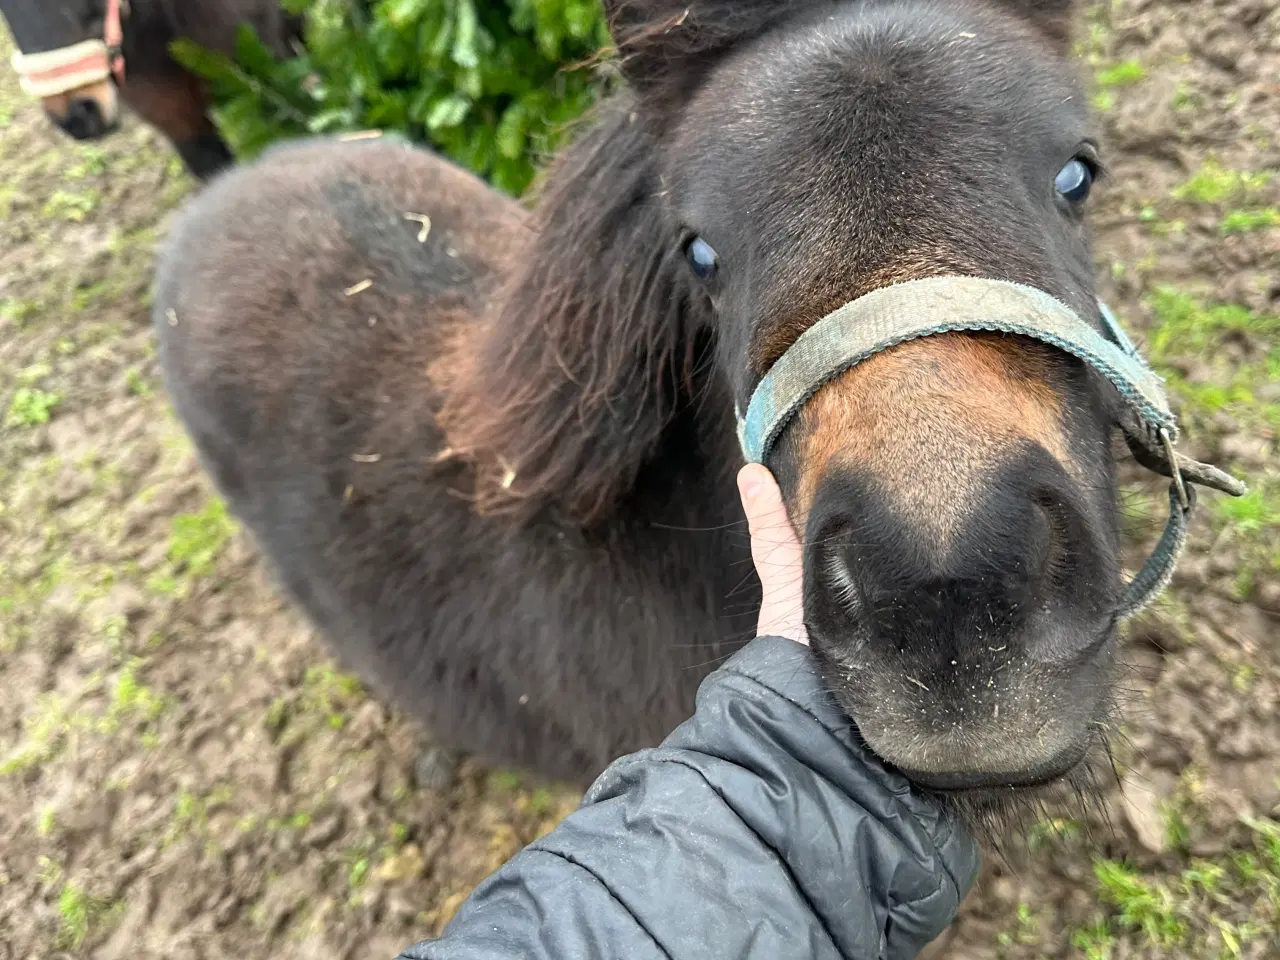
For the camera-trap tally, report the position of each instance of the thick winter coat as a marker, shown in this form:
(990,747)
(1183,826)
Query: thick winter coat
(760,829)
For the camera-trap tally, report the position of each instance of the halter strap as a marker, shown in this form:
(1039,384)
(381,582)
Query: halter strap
(113,33)
(893,315)
(49,73)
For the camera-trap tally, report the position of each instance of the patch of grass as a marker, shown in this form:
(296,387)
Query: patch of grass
(1157,224)
(1185,325)
(1212,397)
(1177,831)
(330,693)
(358,873)
(1095,943)
(164,584)
(1213,183)
(1123,74)
(1266,835)
(277,715)
(502,781)
(1253,513)
(80,913)
(541,801)
(91,162)
(72,205)
(31,407)
(198,538)
(131,701)
(296,821)
(1185,97)
(1203,878)
(1112,77)
(29,376)
(137,384)
(46,821)
(1207,908)
(43,735)
(1245,221)
(191,812)
(1092,46)
(1243,677)
(1052,831)
(1025,930)
(48,872)
(17,310)
(82,298)
(1142,904)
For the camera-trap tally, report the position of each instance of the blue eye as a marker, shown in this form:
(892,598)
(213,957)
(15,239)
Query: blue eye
(702,259)
(1074,181)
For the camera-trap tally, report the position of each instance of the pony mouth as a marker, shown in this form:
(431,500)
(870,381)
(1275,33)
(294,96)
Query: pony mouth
(1019,755)
(1056,769)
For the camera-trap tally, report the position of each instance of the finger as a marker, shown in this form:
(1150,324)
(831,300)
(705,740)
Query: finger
(776,552)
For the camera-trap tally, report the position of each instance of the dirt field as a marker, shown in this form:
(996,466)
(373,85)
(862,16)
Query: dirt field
(183,773)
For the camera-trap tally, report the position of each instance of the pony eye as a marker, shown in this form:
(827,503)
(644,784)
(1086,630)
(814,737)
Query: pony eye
(1074,181)
(702,259)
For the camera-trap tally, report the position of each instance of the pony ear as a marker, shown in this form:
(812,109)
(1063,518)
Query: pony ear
(1056,19)
(665,46)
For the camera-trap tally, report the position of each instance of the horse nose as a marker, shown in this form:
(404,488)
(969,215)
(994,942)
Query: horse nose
(934,593)
(970,649)
(84,120)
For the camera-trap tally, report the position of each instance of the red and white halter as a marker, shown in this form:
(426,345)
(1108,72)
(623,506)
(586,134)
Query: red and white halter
(52,72)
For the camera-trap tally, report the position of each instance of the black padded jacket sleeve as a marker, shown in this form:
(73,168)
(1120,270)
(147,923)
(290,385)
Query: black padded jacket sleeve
(760,829)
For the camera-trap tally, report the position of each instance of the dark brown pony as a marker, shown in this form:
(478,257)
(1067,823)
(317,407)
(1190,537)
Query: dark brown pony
(145,77)
(491,453)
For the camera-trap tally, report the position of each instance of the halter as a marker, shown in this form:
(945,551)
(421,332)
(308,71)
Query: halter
(113,33)
(53,72)
(906,311)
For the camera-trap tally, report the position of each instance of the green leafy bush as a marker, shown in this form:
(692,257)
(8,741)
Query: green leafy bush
(491,84)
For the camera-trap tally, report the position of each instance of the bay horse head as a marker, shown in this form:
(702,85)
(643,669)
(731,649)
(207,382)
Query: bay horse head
(83,58)
(955,487)
(67,51)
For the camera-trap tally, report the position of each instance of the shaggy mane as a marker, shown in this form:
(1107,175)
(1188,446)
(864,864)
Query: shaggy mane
(587,351)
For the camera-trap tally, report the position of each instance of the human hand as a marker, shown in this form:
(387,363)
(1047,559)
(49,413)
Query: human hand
(775,550)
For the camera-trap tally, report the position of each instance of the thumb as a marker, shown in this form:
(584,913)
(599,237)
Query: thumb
(775,550)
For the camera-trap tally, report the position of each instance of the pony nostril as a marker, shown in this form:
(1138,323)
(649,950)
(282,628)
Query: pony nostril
(84,119)
(1056,562)
(837,575)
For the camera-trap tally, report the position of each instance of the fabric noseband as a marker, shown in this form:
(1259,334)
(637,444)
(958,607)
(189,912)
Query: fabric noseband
(51,73)
(906,311)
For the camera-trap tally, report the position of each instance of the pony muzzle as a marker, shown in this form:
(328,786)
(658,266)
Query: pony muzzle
(893,315)
(74,85)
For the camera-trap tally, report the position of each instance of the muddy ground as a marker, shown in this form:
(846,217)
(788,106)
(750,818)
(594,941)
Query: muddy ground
(184,774)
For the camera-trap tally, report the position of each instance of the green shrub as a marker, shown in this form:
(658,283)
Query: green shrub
(492,84)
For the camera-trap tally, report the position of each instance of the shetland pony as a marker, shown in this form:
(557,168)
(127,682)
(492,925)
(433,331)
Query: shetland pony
(491,452)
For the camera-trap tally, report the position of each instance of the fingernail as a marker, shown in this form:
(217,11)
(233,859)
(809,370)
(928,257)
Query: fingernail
(748,487)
